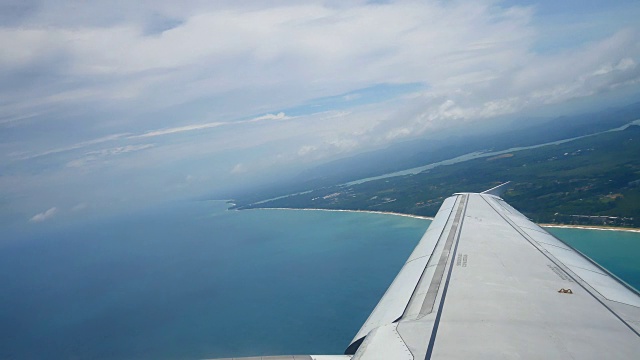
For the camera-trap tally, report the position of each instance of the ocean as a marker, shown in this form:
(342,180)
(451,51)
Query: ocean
(616,251)
(194,280)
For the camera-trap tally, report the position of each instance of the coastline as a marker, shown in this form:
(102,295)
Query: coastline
(585,227)
(591,227)
(354,211)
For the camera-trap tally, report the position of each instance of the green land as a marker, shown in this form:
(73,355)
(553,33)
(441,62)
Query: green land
(593,180)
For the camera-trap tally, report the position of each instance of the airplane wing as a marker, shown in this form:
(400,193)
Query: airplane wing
(484,282)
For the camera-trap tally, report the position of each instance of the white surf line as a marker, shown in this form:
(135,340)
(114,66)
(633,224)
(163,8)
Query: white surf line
(353,211)
(431,218)
(585,227)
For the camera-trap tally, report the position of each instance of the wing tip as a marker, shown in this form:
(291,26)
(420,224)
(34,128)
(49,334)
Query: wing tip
(498,190)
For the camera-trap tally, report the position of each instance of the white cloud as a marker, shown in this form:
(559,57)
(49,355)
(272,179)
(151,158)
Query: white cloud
(289,51)
(179,129)
(292,48)
(536,81)
(76,146)
(399,133)
(351,97)
(258,55)
(239,169)
(278,116)
(44,215)
(307,149)
(121,149)
(80,207)
(93,156)
(344,144)
(196,127)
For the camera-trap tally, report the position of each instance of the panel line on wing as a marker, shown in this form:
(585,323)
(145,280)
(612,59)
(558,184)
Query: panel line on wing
(528,228)
(593,271)
(418,258)
(555,246)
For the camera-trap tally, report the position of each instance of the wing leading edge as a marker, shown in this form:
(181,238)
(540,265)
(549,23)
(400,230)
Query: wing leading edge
(485,282)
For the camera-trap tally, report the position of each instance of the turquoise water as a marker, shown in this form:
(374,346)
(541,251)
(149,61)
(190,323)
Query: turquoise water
(617,251)
(194,280)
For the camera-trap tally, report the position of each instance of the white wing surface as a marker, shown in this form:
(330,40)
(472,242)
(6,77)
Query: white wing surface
(486,283)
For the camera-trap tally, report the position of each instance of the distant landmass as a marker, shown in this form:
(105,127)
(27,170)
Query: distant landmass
(414,153)
(593,180)
(523,132)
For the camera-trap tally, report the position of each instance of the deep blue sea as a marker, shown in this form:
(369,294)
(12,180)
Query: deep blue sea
(194,281)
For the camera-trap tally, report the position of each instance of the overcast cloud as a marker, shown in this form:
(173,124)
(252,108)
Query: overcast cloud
(107,103)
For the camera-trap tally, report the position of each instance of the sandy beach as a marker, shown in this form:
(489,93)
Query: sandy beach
(587,227)
(354,211)
(591,227)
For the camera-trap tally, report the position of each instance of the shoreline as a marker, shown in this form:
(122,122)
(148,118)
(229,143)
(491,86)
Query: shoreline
(353,211)
(566,226)
(591,227)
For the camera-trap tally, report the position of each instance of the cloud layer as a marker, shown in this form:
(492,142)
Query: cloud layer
(229,95)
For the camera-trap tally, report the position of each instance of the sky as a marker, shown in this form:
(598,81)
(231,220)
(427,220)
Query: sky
(106,106)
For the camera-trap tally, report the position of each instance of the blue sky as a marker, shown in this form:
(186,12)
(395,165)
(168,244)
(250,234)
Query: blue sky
(107,106)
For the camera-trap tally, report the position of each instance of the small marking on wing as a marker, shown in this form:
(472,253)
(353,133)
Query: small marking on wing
(461,260)
(561,274)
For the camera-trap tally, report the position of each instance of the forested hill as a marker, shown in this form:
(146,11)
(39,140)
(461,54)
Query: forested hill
(593,180)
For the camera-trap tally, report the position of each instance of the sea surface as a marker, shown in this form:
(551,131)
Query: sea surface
(616,251)
(194,280)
